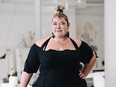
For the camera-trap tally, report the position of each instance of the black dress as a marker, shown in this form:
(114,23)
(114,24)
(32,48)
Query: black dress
(58,68)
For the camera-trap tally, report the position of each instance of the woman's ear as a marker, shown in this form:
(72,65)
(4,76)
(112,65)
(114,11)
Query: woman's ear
(68,25)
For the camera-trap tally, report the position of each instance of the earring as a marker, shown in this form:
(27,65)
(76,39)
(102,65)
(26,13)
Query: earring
(67,34)
(53,35)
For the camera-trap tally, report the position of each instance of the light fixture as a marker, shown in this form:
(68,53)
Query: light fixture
(81,3)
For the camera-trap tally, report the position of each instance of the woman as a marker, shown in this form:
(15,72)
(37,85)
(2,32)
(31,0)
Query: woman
(58,57)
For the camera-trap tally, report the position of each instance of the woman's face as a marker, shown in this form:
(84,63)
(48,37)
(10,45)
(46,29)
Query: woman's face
(59,27)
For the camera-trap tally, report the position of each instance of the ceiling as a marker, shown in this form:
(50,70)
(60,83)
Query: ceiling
(51,3)
(72,3)
(88,1)
(48,2)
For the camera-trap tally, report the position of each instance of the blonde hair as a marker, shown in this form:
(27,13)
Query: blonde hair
(59,13)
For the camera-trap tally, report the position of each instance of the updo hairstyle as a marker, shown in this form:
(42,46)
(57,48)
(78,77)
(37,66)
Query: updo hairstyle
(59,13)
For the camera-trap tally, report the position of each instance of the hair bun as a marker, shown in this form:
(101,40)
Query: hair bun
(60,8)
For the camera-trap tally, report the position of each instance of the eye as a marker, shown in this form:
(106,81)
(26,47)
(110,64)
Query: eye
(54,23)
(62,23)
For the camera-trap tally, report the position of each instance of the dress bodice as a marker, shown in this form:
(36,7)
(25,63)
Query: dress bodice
(57,68)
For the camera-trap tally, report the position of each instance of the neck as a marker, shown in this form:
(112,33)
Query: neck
(57,39)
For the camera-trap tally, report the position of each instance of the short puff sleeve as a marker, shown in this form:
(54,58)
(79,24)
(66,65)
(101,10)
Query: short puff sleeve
(85,52)
(32,62)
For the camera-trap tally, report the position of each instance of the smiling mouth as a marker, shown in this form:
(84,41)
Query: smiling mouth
(58,31)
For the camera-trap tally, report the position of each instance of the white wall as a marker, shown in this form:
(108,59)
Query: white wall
(110,43)
(16,20)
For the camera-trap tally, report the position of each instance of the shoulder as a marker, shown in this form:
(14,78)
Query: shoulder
(81,43)
(40,42)
(78,41)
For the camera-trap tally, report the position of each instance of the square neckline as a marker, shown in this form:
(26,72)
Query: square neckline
(44,45)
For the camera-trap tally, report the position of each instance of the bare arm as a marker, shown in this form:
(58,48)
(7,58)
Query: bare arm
(25,78)
(87,68)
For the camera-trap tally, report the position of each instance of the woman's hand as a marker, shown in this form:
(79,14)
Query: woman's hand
(87,68)
(82,75)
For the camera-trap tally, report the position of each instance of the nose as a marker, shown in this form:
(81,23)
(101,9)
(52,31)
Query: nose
(58,26)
